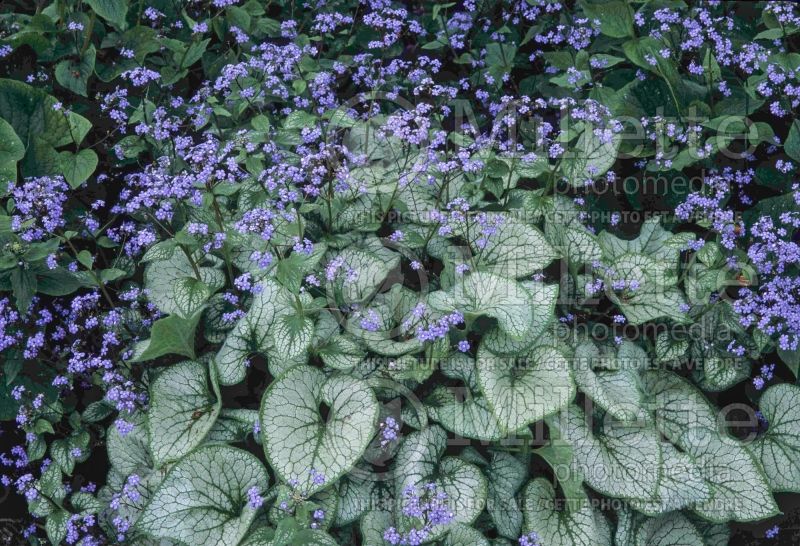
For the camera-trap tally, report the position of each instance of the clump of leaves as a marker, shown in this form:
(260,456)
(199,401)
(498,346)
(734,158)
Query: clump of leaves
(368,272)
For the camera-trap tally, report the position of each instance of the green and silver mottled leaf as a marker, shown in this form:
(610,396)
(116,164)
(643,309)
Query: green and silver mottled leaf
(361,273)
(622,460)
(233,425)
(463,410)
(392,308)
(174,287)
(680,409)
(419,461)
(506,475)
(616,391)
(272,326)
(524,389)
(555,524)
(182,410)
(203,498)
(373,524)
(778,448)
(653,241)
(682,484)
(487,294)
(543,303)
(590,158)
(656,296)
(576,244)
(515,250)
(669,347)
(297,439)
(738,487)
(464,535)
(130,453)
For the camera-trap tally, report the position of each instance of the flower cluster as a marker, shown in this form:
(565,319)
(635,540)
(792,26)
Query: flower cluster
(426,505)
(774,306)
(38,206)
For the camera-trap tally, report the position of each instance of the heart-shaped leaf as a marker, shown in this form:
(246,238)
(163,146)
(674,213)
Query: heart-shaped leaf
(204,497)
(523,389)
(778,448)
(302,444)
(573,525)
(182,409)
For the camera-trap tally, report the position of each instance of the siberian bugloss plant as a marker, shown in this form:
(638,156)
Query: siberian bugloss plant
(487,272)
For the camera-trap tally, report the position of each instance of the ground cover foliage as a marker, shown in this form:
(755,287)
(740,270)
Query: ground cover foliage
(373,272)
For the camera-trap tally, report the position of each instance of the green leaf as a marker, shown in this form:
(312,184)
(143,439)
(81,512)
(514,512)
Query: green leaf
(174,287)
(792,144)
(182,409)
(11,151)
(113,11)
(298,439)
(791,359)
(193,53)
(23,286)
(559,455)
(57,282)
(524,389)
(500,58)
(299,119)
(293,269)
(483,293)
(77,168)
(203,498)
(620,460)
(639,49)
(30,112)
(85,258)
(557,527)
(616,18)
(778,448)
(169,335)
(74,75)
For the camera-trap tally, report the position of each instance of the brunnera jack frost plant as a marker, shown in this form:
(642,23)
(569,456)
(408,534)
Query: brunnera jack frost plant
(376,272)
